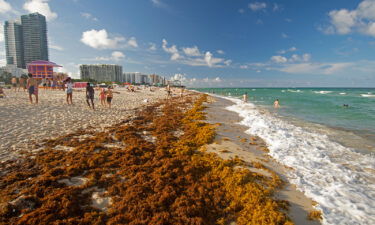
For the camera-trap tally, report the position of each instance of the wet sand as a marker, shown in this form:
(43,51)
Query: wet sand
(231,140)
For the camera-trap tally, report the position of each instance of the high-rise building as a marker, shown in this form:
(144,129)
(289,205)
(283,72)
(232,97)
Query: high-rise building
(14,43)
(26,40)
(35,41)
(102,72)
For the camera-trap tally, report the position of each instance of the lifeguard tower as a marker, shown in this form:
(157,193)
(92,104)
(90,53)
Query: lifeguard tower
(41,69)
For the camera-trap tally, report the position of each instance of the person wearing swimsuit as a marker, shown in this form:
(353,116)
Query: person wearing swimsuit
(109,97)
(102,96)
(90,96)
(32,87)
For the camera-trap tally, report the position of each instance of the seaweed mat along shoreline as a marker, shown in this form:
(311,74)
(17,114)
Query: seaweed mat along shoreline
(152,169)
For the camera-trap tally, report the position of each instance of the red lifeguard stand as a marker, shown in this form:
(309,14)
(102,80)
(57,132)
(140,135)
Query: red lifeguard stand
(41,69)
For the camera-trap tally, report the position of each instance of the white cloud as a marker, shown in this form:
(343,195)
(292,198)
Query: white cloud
(208,58)
(159,4)
(221,52)
(244,67)
(88,16)
(99,39)
(172,50)
(227,62)
(279,59)
(5,7)
(284,35)
(192,56)
(277,7)
(115,56)
(40,6)
(185,80)
(132,42)
(256,6)
(314,68)
(212,61)
(179,77)
(300,58)
(291,49)
(193,51)
(152,47)
(241,11)
(56,47)
(345,21)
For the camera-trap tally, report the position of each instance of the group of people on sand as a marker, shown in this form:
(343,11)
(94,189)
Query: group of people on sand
(19,83)
(170,91)
(276,103)
(105,96)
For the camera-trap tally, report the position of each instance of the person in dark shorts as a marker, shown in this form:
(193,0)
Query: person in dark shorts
(90,95)
(32,87)
(110,96)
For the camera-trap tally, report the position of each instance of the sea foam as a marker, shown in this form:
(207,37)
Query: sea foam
(322,92)
(338,178)
(368,95)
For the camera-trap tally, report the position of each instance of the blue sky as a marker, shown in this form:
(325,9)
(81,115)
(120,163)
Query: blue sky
(214,43)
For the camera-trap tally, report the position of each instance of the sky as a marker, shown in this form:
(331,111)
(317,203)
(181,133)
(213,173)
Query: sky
(213,43)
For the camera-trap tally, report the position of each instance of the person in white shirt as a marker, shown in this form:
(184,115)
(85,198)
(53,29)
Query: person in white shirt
(69,91)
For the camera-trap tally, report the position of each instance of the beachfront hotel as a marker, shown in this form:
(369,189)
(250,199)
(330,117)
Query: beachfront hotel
(26,40)
(13,43)
(101,72)
(35,43)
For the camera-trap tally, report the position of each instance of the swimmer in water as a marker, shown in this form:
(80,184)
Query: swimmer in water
(276,104)
(245,97)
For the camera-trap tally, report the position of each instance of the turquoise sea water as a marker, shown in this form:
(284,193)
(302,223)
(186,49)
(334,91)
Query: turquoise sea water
(319,108)
(331,148)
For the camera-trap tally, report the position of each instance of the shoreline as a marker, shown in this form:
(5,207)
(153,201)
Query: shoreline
(231,141)
(69,144)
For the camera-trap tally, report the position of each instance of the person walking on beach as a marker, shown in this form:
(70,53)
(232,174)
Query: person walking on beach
(102,96)
(110,96)
(32,87)
(22,84)
(276,104)
(245,97)
(169,92)
(14,83)
(69,91)
(90,95)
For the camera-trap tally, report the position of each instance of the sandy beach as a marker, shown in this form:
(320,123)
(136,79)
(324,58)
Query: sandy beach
(231,141)
(23,124)
(154,157)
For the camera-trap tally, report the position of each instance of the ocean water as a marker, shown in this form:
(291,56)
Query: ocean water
(331,148)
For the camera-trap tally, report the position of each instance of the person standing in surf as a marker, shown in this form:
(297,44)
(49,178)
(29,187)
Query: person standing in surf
(276,104)
(245,97)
